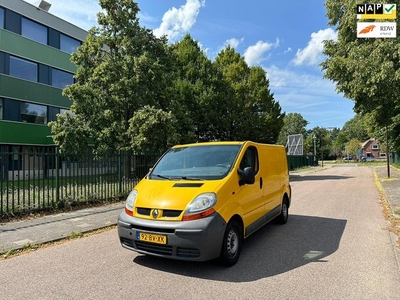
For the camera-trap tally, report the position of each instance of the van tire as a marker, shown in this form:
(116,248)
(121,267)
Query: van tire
(284,215)
(231,244)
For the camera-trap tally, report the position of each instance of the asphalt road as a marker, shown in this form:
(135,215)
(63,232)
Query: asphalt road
(335,246)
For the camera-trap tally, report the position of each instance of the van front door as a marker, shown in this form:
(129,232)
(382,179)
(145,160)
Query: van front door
(250,196)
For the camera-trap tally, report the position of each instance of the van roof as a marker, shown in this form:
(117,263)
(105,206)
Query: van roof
(211,143)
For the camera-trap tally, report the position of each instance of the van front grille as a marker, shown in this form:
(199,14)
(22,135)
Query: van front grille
(169,213)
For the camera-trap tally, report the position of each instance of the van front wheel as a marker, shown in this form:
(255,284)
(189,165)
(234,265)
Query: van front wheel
(231,244)
(283,217)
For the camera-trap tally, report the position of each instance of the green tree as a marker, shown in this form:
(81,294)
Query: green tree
(352,146)
(323,142)
(365,70)
(199,91)
(153,130)
(293,123)
(252,112)
(121,67)
(356,128)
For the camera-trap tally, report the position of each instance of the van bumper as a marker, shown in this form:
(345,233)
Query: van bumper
(196,240)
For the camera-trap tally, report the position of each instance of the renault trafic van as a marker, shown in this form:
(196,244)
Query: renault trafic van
(200,201)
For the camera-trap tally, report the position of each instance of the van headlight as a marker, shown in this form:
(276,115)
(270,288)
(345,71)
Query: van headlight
(200,207)
(130,202)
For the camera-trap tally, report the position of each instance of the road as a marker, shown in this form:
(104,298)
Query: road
(335,246)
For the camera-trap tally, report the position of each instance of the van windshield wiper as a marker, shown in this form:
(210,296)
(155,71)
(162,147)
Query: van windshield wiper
(191,178)
(177,177)
(161,176)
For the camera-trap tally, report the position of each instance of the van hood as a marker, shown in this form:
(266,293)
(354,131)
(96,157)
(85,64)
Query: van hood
(174,195)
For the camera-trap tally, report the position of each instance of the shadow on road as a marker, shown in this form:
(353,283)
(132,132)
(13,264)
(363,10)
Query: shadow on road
(273,250)
(317,177)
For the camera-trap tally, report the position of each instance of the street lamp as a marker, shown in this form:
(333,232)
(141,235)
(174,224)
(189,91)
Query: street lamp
(315,149)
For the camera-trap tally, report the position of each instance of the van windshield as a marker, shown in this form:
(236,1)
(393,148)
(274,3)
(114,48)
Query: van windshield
(196,162)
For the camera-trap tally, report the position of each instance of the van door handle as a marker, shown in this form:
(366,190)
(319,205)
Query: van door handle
(260,182)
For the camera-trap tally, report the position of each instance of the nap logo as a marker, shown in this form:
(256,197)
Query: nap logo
(376,29)
(376,11)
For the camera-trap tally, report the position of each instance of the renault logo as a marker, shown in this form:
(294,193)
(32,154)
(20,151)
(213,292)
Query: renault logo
(155,213)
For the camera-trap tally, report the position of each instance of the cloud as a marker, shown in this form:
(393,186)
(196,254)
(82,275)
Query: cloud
(288,50)
(312,54)
(255,54)
(178,21)
(234,43)
(310,95)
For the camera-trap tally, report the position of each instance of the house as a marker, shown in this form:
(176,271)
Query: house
(371,149)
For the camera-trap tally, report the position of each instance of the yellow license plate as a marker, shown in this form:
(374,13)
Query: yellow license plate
(151,238)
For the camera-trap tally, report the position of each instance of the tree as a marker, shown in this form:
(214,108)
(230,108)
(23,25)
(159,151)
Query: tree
(199,91)
(323,142)
(153,130)
(121,67)
(365,70)
(352,147)
(252,112)
(293,123)
(356,128)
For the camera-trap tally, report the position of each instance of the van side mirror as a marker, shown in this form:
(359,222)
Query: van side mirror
(247,176)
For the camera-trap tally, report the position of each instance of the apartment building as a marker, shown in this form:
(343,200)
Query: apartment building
(35,66)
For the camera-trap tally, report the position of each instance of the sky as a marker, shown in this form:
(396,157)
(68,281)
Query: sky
(284,37)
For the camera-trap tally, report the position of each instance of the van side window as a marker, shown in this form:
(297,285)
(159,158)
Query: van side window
(250,159)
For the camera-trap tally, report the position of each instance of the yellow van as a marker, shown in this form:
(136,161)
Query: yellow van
(200,201)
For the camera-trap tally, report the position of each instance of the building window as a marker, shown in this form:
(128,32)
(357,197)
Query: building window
(24,69)
(68,44)
(33,113)
(61,79)
(34,31)
(375,147)
(1,108)
(11,110)
(52,113)
(1,18)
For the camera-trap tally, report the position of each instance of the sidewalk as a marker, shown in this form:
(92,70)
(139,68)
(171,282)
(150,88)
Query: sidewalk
(16,235)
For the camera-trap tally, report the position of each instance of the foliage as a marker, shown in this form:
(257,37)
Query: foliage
(152,130)
(133,91)
(365,70)
(352,146)
(199,91)
(252,112)
(323,138)
(121,67)
(357,128)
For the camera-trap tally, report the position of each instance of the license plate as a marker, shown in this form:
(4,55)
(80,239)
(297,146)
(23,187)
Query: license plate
(151,238)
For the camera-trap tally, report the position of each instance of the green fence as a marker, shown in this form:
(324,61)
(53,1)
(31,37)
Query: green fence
(35,181)
(297,161)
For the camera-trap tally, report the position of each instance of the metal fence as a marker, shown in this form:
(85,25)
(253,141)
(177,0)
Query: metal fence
(35,181)
(394,158)
(299,161)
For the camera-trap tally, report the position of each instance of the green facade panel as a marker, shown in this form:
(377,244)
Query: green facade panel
(15,88)
(25,134)
(18,45)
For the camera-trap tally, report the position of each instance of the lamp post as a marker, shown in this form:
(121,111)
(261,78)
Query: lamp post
(315,149)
